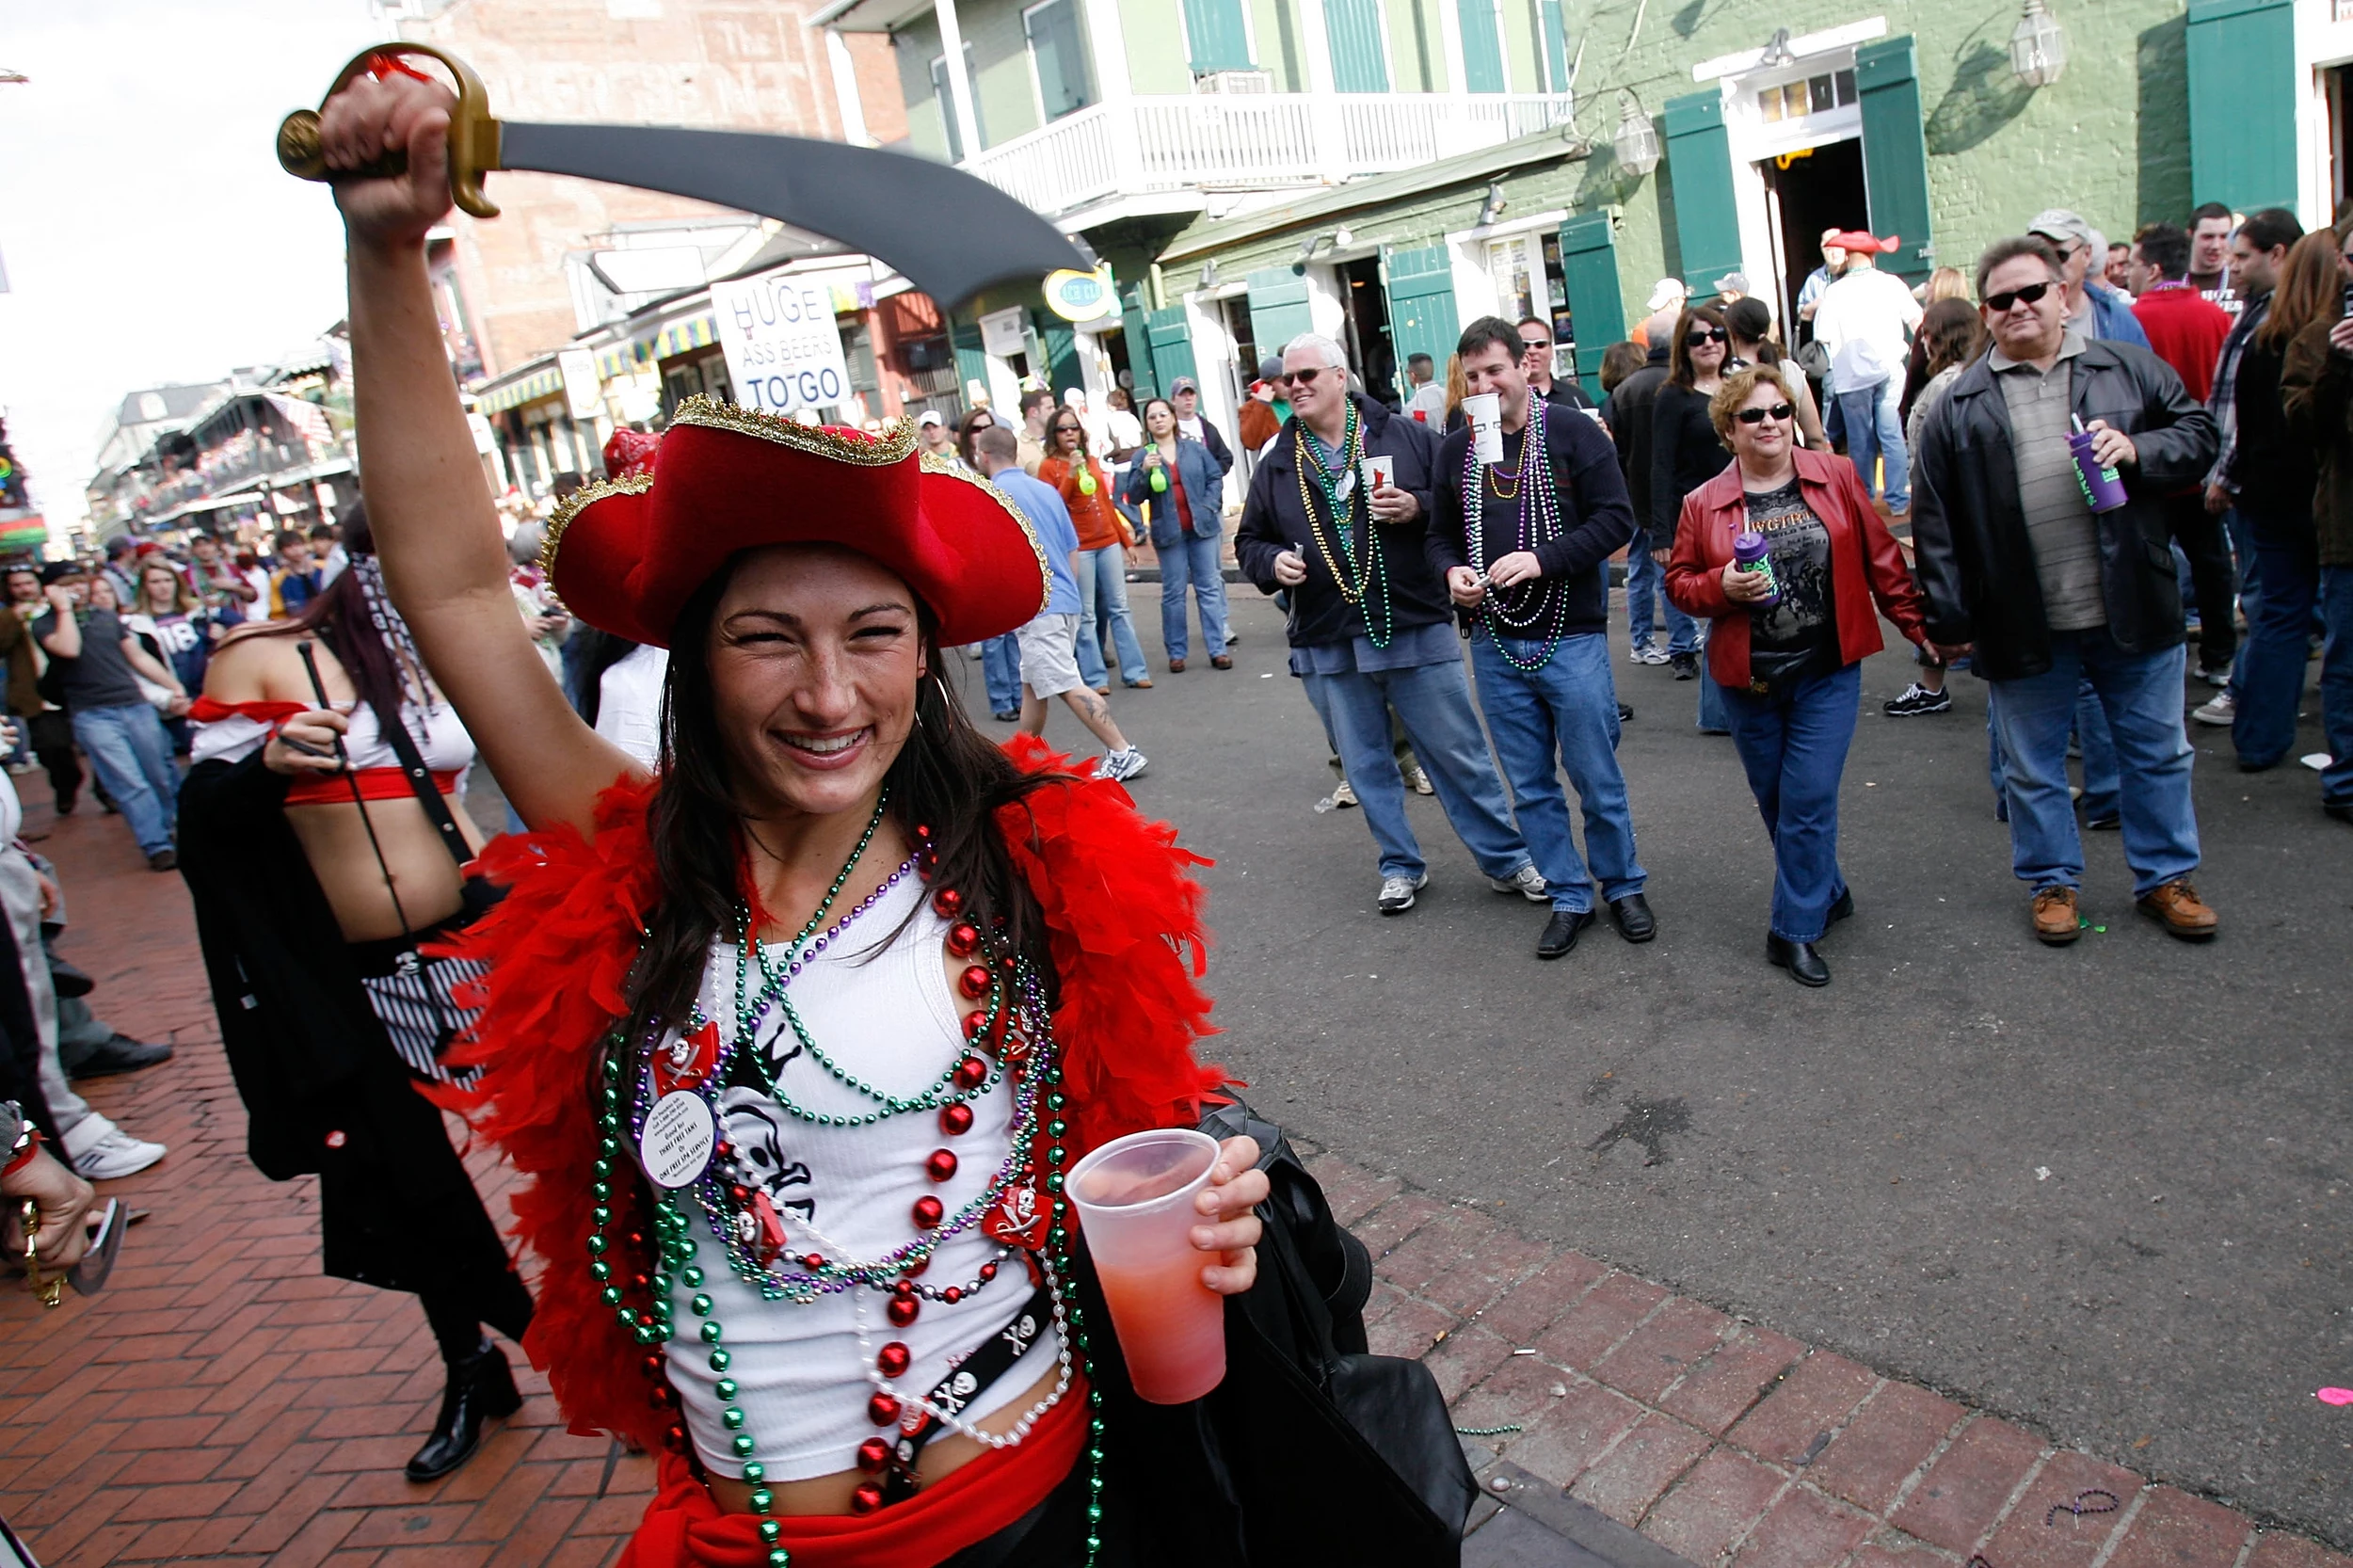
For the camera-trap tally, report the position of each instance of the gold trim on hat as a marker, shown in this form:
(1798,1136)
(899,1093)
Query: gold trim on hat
(948,467)
(572,506)
(893,444)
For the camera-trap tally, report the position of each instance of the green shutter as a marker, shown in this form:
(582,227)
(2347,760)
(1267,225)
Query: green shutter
(1699,158)
(1359,64)
(1555,45)
(1172,348)
(1589,273)
(1216,37)
(2242,103)
(1421,304)
(1482,46)
(1061,344)
(1278,308)
(1137,328)
(971,359)
(1894,154)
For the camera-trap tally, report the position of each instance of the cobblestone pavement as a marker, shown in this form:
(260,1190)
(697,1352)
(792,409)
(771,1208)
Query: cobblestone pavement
(222,1401)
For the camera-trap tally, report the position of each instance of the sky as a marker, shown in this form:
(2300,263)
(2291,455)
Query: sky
(149,234)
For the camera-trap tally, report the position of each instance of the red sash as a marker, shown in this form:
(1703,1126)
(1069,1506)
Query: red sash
(334,789)
(685,1529)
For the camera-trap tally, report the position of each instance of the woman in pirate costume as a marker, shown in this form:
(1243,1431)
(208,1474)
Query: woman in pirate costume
(324,842)
(795,1037)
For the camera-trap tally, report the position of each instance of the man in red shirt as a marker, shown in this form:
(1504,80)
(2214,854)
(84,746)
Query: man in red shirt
(2187,330)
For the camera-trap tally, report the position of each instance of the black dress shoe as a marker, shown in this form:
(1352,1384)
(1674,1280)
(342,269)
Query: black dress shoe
(1804,965)
(1635,923)
(479,1386)
(1626,712)
(67,980)
(1560,933)
(1843,907)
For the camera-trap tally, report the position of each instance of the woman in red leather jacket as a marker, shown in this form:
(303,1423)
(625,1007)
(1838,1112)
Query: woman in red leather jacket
(1786,646)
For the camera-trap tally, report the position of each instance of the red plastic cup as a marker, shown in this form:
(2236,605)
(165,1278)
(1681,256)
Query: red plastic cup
(1134,1196)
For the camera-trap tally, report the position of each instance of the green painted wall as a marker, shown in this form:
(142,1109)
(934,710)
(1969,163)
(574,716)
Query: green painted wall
(1416,48)
(1519,47)
(1156,45)
(913,48)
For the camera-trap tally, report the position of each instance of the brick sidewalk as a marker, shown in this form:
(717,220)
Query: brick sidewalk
(223,1402)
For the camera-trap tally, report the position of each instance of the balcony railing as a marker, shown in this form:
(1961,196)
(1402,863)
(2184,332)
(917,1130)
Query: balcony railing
(1154,145)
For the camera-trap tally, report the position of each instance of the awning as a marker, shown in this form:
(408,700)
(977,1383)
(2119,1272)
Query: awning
(546,382)
(681,337)
(207,503)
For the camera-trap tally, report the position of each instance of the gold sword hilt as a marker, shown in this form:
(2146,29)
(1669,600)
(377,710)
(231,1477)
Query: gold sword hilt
(50,1291)
(473,132)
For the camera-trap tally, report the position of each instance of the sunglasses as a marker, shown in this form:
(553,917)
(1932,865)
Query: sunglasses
(1303,378)
(2032,293)
(1534,345)
(1777,413)
(1699,335)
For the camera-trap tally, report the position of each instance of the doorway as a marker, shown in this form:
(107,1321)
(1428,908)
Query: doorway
(1366,323)
(1807,192)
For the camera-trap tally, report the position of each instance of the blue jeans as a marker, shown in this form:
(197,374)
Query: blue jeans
(2336,683)
(1191,560)
(2271,668)
(2102,776)
(1873,431)
(1645,591)
(1568,708)
(1433,702)
(1103,603)
(1713,719)
(2142,696)
(131,755)
(2251,580)
(1793,746)
(1001,670)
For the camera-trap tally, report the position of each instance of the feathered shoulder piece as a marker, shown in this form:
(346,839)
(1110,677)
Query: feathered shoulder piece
(1124,923)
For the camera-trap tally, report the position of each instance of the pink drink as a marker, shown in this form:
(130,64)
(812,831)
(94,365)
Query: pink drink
(1134,1196)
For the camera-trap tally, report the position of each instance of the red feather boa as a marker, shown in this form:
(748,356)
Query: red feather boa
(1123,922)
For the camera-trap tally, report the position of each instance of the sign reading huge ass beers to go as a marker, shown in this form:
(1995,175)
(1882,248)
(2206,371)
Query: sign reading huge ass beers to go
(784,352)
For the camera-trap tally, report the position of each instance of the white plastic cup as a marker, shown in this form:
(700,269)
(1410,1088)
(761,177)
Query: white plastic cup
(1485,412)
(1134,1196)
(1379,472)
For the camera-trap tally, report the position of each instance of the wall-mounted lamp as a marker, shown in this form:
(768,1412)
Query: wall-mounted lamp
(2038,46)
(1491,210)
(1637,140)
(1342,238)
(1208,273)
(1776,52)
(1308,246)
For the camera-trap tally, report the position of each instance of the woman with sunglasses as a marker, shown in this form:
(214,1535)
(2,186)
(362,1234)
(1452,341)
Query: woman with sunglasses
(1785,647)
(1686,453)
(1181,489)
(1751,323)
(1104,543)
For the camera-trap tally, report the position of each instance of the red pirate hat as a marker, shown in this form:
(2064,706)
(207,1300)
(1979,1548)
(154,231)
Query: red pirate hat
(625,554)
(1862,243)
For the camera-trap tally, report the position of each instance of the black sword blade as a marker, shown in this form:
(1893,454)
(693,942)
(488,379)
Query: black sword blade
(950,234)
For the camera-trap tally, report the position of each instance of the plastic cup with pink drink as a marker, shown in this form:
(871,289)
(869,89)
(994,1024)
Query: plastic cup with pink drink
(1135,1201)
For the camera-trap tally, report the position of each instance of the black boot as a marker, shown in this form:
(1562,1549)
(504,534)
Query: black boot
(479,1386)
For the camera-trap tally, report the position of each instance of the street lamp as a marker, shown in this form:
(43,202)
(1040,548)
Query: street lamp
(2038,46)
(1636,141)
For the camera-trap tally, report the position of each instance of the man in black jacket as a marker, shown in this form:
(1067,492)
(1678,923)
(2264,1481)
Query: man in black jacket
(2012,559)
(1523,543)
(1370,626)
(1626,412)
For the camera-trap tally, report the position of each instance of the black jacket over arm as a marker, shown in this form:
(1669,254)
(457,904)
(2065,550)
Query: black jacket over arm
(1971,551)
(1685,454)
(1595,515)
(1628,411)
(1273,520)
(323,1089)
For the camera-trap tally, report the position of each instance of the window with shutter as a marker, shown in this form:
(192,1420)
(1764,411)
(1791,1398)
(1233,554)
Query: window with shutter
(1699,155)
(1421,287)
(1057,55)
(1360,62)
(1553,41)
(2242,103)
(1588,275)
(1215,37)
(1896,155)
(1278,308)
(1483,45)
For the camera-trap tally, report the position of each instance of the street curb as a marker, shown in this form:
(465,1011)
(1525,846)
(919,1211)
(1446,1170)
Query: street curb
(1605,1399)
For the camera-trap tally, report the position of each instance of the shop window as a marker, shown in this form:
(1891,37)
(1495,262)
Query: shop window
(1058,56)
(1833,89)
(1514,264)
(1556,296)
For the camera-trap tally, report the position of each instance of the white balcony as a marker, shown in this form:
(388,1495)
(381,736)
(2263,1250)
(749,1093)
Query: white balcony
(1251,141)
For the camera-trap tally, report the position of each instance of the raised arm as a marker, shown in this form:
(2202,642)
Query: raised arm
(436,530)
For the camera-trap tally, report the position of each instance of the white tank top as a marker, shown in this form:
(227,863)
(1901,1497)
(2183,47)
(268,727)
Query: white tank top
(440,733)
(890,1019)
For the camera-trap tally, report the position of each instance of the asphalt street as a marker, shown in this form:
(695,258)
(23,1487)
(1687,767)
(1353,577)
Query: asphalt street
(2102,1190)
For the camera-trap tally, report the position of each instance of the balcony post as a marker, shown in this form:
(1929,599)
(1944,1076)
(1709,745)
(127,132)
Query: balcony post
(1324,121)
(1455,132)
(1107,41)
(959,80)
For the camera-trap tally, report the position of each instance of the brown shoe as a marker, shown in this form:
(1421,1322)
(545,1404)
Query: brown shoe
(2055,923)
(2177,908)
(1176,667)
(1221,661)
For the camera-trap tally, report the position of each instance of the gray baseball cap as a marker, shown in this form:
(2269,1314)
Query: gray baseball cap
(2058,223)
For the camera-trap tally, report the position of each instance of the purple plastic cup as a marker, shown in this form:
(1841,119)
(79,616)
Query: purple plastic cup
(1750,552)
(2103,487)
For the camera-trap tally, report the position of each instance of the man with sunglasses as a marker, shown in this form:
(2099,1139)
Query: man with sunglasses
(2015,565)
(1334,515)
(1535,335)
(2092,308)
(1864,322)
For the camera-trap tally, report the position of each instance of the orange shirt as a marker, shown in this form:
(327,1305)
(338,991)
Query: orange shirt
(1096,519)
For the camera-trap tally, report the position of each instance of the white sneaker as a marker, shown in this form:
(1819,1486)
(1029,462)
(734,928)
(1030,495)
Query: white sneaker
(1528,882)
(1649,653)
(1119,765)
(2220,711)
(115,1156)
(1418,781)
(1339,799)
(1397,892)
